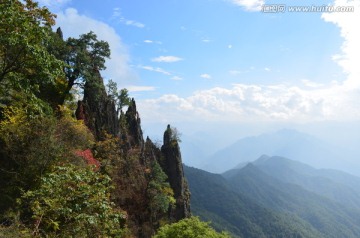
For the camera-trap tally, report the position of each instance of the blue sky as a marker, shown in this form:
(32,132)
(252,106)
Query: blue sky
(226,60)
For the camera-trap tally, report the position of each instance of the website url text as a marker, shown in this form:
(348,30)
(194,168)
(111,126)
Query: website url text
(281,8)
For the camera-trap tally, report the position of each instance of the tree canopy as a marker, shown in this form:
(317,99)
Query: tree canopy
(25,62)
(189,228)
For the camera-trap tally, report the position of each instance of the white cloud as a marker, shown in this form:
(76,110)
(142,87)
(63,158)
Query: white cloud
(117,15)
(157,69)
(243,103)
(177,78)
(311,84)
(133,88)
(166,59)
(230,46)
(133,23)
(152,42)
(348,23)
(249,5)
(267,69)
(73,24)
(205,76)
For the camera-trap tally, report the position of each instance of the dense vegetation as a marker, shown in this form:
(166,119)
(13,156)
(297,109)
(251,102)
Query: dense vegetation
(214,199)
(189,228)
(278,197)
(330,218)
(77,168)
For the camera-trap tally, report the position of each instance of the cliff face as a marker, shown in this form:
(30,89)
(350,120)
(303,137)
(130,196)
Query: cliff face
(97,109)
(134,162)
(130,127)
(172,166)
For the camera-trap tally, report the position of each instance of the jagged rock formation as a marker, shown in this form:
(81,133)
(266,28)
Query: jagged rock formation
(172,166)
(130,127)
(133,161)
(97,109)
(150,153)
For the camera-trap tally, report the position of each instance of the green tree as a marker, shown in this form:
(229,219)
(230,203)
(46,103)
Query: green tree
(25,63)
(124,99)
(112,90)
(160,194)
(189,228)
(74,202)
(85,56)
(121,98)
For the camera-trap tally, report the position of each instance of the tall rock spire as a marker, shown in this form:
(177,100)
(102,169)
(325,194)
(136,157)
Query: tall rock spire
(134,125)
(97,109)
(172,166)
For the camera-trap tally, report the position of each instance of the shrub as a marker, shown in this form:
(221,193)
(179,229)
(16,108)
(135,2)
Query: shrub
(74,202)
(189,228)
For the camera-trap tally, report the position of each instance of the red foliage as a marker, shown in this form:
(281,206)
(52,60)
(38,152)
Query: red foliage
(89,158)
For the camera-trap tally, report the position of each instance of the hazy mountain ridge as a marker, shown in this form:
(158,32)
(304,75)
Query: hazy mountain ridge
(336,185)
(214,199)
(285,194)
(327,216)
(288,143)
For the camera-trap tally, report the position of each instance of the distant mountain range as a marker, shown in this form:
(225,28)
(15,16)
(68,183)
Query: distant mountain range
(287,143)
(334,184)
(213,199)
(278,197)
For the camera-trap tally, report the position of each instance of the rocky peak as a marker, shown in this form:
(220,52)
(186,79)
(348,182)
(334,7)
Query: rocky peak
(133,122)
(99,114)
(150,153)
(97,109)
(173,167)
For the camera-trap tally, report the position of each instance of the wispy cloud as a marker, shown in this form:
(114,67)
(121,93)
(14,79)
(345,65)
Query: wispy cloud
(166,59)
(311,84)
(152,42)
(132,23)
(157,69)
(206,40)
(249,5)
(117,15)
(133,88)
(205,76)
(176,78)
